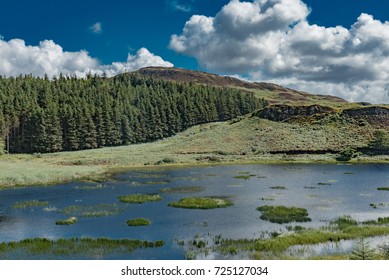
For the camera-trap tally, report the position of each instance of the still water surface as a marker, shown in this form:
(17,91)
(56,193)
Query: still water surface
(326,191)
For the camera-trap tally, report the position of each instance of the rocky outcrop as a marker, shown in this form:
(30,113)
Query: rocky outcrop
(366,111)
(285,112)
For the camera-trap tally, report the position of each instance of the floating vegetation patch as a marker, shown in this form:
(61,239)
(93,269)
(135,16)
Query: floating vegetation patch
(139,198)
(244,177)
(379,205)
(148,175)
(278,188)
(283,214)
(201,203)
(90,211)
(182,190)
(73,248)
(161,182)
(138,222)
(310,188)
(95,187)
(70,221)
(267,198)
(348,173)
(383,189)
(30,203)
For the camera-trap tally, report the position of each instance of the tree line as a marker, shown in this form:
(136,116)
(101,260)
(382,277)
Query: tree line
(67,113)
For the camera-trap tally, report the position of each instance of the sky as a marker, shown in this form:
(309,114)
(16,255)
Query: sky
(320,46)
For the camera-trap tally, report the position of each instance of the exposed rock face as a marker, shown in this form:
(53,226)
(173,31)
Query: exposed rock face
(366,111)
(284,112)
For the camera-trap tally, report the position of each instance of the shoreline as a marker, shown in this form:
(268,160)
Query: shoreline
(52,169)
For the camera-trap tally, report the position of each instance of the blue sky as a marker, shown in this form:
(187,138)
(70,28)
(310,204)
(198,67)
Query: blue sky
(328,47)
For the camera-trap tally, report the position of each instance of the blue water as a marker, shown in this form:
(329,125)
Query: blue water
(347,190)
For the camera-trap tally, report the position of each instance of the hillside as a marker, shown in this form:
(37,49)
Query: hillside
(273,93)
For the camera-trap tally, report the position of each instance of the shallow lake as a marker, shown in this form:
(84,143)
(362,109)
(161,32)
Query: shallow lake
(326,191)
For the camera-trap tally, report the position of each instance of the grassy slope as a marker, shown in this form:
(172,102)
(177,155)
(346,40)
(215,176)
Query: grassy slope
(247,140)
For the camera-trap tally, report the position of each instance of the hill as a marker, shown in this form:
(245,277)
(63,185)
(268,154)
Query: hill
(273,93)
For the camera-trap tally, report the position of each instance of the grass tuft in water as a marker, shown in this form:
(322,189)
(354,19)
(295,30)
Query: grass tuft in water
(70,221)
(30,203)
(138,222)
(89,211)
(279,188)
(383,189)
(283,214)
(201,203)
(139,198)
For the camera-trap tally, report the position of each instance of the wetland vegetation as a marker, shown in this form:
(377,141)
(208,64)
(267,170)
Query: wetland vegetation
(30,203)
(138,222)
(98,210)
(310,213)
(139,198)
(70,221)
(73,248)
(283,214)
(201,203)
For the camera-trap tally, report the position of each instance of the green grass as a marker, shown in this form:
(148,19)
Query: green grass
(139,198)
(283,214)
(72,248)
(70,221)
(138,222)
(383,189)
(201,203)
(89,211)
(30,203)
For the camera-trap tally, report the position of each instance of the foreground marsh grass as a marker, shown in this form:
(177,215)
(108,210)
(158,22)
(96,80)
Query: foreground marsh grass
(72,248)
(276,246)
(201,203)
(138,222)
(139,198)
(283,214)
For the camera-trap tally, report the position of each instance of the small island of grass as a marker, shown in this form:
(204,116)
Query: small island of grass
(283,214)
(201,203)
(70,221)
(138,222)
(139,198)
(383,189)
(30,203)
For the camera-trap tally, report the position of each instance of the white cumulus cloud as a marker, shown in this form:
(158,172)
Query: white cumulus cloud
(272,40)
(49,58)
